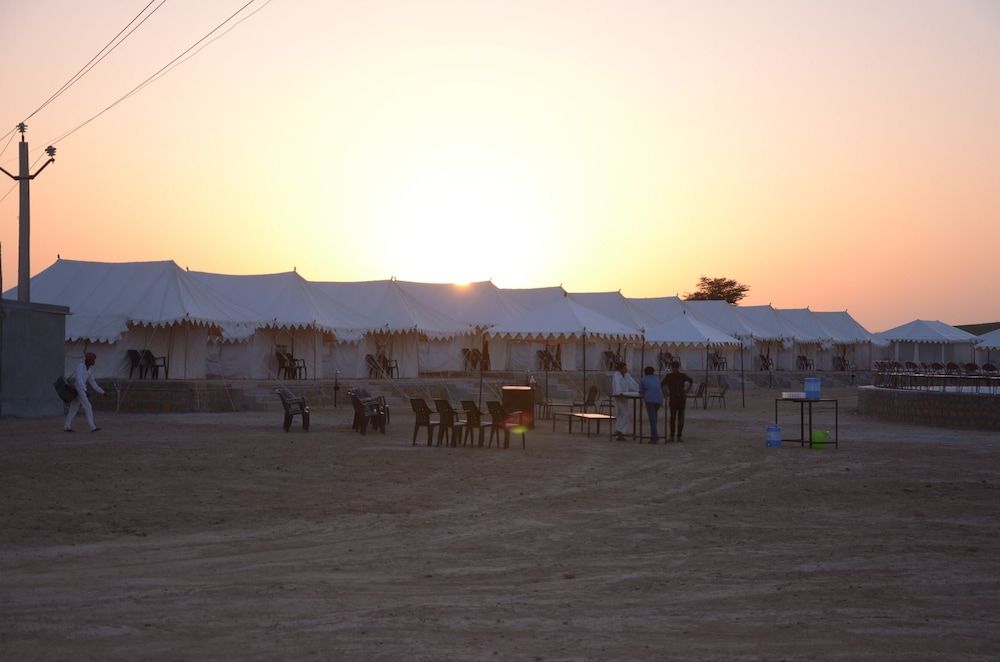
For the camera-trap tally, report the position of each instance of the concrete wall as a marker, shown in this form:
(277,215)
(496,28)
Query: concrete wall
(31,357)
(952,410)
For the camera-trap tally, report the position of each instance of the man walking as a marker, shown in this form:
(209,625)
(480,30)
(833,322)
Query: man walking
(622,385)
(677,383)
(80,379)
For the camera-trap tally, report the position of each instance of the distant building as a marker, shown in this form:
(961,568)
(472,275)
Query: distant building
(979,329)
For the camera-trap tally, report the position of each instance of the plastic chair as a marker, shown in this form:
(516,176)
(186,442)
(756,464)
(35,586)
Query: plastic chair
(506,421)
(374,367)
(135,361)
(699,393)
(423,418)
(719,396)
(587,403)
(154,363)
(451,426)
(293,406)
(473,421)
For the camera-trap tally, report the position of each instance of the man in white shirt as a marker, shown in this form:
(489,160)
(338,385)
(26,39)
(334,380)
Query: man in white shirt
(80,379)
(622,383)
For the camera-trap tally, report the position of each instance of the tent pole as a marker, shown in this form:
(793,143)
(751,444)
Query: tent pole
(743,385)
(705,399)
(642,353)
(482,359)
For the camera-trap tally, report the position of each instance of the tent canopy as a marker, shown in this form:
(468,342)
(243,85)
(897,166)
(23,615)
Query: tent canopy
(564,317)
(685,330)
(390,309)
(660,309)
(479,304)
(105,298)
(842,328)
(532,297)
(990,341)
(724,316)
(928,331)
(616,306)
(285,300)
(804,325)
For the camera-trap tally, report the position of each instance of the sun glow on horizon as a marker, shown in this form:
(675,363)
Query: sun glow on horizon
(458,206)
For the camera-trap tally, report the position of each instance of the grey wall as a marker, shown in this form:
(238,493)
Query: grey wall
(31,357)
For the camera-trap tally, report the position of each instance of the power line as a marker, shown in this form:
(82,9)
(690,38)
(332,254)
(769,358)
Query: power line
(101,54)
(160,71)
(209,42)
(93,62)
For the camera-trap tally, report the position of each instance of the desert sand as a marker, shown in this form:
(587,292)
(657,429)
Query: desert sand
(220,536)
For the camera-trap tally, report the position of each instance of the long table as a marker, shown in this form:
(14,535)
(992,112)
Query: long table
(583,417)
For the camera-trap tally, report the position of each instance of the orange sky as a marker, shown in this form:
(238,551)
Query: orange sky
(837,155)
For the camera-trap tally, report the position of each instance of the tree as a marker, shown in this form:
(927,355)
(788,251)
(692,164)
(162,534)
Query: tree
(718,289)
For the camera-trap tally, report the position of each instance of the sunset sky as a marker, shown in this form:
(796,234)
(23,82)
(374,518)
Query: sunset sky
(837,154)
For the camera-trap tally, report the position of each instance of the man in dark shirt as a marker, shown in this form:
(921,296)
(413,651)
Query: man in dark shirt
(677,384)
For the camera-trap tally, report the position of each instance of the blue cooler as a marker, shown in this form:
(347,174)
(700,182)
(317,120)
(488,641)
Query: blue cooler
(773,436)
(812,388)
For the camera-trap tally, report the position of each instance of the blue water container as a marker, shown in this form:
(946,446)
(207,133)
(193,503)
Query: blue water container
(773,436)
(812,388)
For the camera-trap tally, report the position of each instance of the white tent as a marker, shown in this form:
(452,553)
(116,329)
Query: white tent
(772,334)
(989,340)
(532,297)
(400,321)
(847,337)
(514,344)
(296,319)
(480,305)
(929,341)
(158,306)
(726,317)
(617,307)
(660,309)
(988,347)
(813,341)
(685,332)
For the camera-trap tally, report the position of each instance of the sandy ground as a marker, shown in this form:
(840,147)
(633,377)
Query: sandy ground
(204,536)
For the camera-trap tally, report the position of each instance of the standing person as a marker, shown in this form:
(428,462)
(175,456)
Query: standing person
(677,384)
(652,395)
(622,384)
(80,379)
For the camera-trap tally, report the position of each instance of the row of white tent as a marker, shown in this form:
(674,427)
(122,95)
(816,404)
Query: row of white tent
(230,326)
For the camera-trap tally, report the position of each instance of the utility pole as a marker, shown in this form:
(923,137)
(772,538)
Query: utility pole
(24,214)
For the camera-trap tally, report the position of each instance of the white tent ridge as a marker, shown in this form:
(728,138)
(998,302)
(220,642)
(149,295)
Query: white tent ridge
(106,298)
